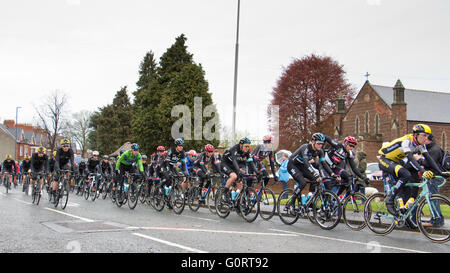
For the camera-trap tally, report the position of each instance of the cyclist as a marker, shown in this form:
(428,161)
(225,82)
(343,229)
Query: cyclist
(125,164)
(190,160)
(302,163)
(202,161)
(233,160)
(39,163)
(64,159)
(337,158)
(260,153)
(93,166)
(157,162)
(106,168)
(174,155)
(51,166)
(398,159)
(26,168)
(8,167)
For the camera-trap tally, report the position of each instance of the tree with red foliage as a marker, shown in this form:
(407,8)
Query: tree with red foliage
(306,96)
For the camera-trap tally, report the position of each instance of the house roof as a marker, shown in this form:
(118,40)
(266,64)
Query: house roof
(5,129)
(421,105)
(125,146)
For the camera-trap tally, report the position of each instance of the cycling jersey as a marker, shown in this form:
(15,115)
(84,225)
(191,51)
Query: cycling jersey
(337,157)
(93,166)
(235,157)
(402,149)
(106,167)
(26,165)
(62,158)
(203,160)
(172,158)
(127,158)
(8,166)
(81,168)
(39,163)
(260,153)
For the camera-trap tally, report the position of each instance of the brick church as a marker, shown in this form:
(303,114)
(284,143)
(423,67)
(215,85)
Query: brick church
(381,113)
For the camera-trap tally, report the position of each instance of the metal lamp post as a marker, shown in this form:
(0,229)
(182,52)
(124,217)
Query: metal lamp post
(15,148)
(235,76)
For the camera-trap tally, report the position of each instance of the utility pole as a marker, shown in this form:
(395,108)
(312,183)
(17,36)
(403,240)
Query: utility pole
(233,133)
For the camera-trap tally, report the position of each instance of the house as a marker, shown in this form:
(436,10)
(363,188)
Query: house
(382,113)
(7,143)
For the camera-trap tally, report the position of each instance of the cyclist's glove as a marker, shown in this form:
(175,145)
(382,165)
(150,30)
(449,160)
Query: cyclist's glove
(428,174)
(367,181)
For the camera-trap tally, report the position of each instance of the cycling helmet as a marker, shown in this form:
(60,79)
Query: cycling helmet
(27,157)
(8,157)
(65,142)
(192,152)
(122,151)
(245,140)
(105,157)
(135,147)
(82,161)
(95,153)
(421,128)
(351,140)
(144,157)
(209,148)
(267,139)
(160,149)
(54,153)
(179,142)
(318,137)
(40,150)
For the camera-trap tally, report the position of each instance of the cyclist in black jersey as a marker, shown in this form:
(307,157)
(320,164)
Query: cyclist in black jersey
(106,167)
(302,163)
(337,158)
(64,160)
(175,155)
(236,158)
(39,163)
(202,161)
(260,153)
(26,167)
(9,166)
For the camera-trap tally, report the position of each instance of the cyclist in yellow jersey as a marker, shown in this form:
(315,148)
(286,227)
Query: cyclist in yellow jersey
(398,159)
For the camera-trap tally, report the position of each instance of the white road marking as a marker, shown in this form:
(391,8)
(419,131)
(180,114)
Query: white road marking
(346,241)
(217,231)
(71,215)
(199,218)
(169,243)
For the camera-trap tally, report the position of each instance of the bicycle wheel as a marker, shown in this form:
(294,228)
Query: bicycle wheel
(176,199)
(64,194)
(143,194)
(328,211)
(157,197)
(210,199)
(267,204)
(194,198)
(353,211)
(288,206)
(133,195)
(223,207)
(93,191)
(431,221)
(37,193)
(119,196)
(376,216)
(33,194)
(248,204)
(104,189)
(87,190)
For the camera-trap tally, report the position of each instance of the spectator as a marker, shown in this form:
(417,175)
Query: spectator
(283,174)
(362,166)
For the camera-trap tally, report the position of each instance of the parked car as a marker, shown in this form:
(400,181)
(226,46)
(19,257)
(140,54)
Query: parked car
(373,171)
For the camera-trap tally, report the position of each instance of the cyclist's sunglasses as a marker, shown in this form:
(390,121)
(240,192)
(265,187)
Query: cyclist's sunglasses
(320,142)
(267,141)
(65,146)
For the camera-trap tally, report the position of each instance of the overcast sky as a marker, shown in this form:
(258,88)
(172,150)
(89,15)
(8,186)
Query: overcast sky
(90,49)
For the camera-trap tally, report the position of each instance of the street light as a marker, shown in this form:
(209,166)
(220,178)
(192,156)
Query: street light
(235,77)
(15,149)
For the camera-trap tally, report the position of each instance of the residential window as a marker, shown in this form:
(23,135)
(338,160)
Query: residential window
(357,126)
(444,141)
(367,123)
(377,124)
(21,151)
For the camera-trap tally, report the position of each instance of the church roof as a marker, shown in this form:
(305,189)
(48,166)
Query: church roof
(421,105)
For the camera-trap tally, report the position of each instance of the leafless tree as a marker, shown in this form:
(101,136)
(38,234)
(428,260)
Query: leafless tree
(78,129)
(51,116)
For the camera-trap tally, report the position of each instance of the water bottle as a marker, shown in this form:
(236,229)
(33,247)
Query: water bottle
(309,196)
(125,187)
(387,187)
(409,203)
(233,195)
(303,199)
(400,203)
